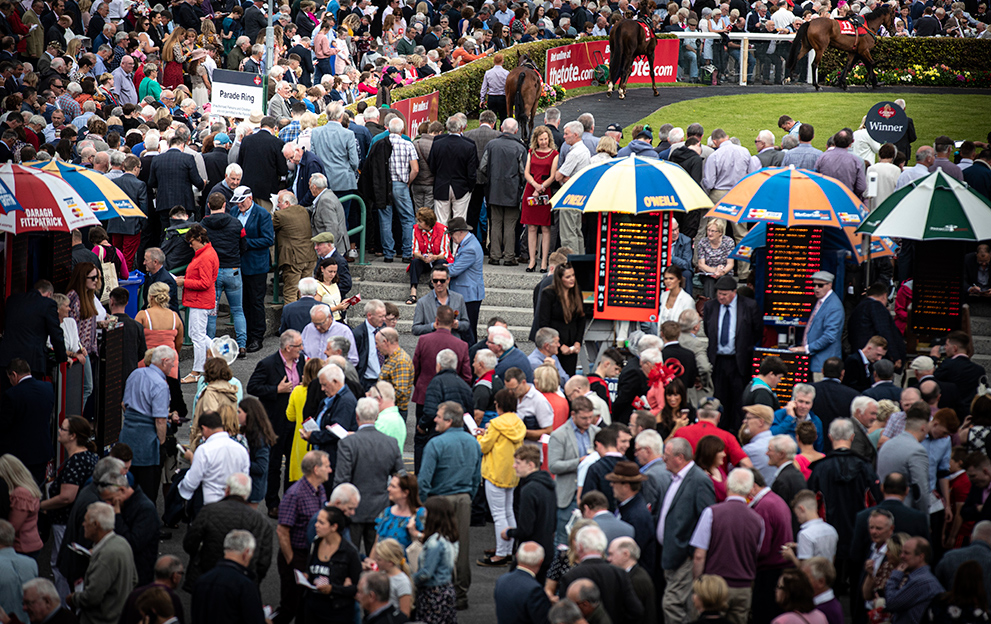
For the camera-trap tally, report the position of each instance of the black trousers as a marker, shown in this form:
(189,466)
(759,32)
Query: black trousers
(497,104)
(289,592)
(149,478)
(254,305)
(475,213)
(281,449)
(728,382)
(474,307)
(419,439)
(764,585)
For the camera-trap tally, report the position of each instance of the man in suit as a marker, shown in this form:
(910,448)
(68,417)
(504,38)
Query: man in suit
(379,458)
(958,368)
(296,315)
(373,596)
(618,598)
(884,387)
(336,408)
(627,481)
(907,520)
(259,235)
(261,160)
(595,507)
(871,318)
(632,380)
(979,550)
(36,35)
(859,365)
(734,326)
(648,449)
(337,149)
(26,419)
(863,413)
(679,507)
(304,165)
(825,326)
(291,223)
(671,332)
(788,479)
(905,454)
(278,106)
(767,155)
(254,20)
(519,597)
(568,446)
(690,324)
(111,574)
(173,176)
(370,361)
(37,321)
(217,161)
(625,553)
(833,397)
(454,162)
(126,233)
(466,270)
(302,50)
(42,603)
(426,306)
(272,381)
(485,132)
(327,212)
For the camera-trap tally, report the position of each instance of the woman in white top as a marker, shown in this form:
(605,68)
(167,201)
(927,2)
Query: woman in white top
(674,299)
(70,331)
(389,556)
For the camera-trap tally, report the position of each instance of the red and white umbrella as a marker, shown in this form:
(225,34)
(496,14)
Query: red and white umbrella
(36,201)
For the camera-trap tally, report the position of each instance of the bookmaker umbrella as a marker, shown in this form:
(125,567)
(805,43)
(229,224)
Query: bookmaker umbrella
(44,202)
(105,199)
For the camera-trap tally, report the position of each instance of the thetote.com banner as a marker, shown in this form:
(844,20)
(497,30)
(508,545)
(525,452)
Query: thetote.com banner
(572,66)
(418,109)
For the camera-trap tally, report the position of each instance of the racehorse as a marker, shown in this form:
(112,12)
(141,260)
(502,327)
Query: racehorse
(628,41)
(823,32)
(523,85)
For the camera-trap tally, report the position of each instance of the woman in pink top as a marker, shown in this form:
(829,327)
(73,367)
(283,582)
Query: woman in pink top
(25,499)
(794,594)
(806,434)
(324,52)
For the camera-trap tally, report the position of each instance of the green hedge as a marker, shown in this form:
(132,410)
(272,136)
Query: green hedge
(459,89)
(903,52)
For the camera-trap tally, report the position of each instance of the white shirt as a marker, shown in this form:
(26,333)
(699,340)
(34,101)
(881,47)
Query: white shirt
(373,370)
(533,403)
(216,459)
(583,465)
(816,538)
(824,597)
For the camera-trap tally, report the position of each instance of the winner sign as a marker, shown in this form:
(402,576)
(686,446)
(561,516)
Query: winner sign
(572,66)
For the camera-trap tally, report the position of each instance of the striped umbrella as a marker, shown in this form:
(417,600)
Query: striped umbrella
(44,202)
(881,247)
(631,185)
(936,207)
(790,197)
(105,199)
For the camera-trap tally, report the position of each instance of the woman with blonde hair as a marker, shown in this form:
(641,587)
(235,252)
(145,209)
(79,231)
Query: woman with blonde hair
(539,172)
(208,34)
(547,380)
(294,414)
(174,54)
(885,408)
(25,501)
(606,149)
(710,595)
(215,393)
(162,325)
(389,556)
(564,560)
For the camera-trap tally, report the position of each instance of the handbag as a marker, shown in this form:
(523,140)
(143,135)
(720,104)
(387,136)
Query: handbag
(413,555)
(110,280)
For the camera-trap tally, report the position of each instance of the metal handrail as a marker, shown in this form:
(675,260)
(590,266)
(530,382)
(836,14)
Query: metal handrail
(360,229)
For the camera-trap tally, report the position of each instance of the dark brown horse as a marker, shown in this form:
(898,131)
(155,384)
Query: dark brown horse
(628,41)
(823,32)
(523,86)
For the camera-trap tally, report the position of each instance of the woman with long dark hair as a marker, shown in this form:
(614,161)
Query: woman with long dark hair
(84,308)
(403,519)
(561,309)
(677,412)
(710,453)
(434,577)
(794,594)
(333,562)
(674,299)
(259,437)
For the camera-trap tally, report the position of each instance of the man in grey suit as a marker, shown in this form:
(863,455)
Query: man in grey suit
(367,459)
(173,175)
(337,149)
(278,106)
(690,325)
(648,448)
(905,454)
(569,444)
(979,551)
(595,507)
(111,574)
(679,506)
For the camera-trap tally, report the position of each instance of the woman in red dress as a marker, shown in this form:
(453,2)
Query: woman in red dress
(541,165)
(174,54)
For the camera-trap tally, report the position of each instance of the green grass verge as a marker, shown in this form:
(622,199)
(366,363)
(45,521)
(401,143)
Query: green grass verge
(744,116)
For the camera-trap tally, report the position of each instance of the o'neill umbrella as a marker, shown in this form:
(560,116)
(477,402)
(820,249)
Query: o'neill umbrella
(48,203)
(936,207)
(631,185)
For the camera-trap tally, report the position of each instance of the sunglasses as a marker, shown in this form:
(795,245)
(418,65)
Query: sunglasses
(439,281)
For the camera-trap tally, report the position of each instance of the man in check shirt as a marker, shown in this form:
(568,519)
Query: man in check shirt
(404,165)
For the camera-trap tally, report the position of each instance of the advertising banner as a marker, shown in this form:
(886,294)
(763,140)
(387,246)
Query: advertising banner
(572,66)
(417,110)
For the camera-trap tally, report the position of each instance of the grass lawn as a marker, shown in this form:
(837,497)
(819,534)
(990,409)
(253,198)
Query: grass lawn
(744,116)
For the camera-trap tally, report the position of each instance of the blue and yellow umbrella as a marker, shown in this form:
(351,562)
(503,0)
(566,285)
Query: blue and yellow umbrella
(631,185)
(790,197)
(104,198)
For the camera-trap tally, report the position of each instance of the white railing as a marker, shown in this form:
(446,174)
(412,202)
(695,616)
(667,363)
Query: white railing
(744,38)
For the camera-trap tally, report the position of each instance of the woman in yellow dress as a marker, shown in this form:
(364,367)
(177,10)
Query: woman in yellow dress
(294,413)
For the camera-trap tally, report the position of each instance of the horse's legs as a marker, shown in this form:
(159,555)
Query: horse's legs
(869,64)
(650,65)
(851,57)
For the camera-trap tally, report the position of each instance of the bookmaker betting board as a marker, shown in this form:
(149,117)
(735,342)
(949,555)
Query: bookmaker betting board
(798,370)
(793,255)
(631,253)
(937,289)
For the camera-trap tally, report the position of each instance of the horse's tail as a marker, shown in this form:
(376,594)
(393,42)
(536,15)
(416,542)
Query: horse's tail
(615,53)
(796,46)
(519,112)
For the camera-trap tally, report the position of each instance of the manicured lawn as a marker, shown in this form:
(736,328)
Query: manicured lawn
(744,116)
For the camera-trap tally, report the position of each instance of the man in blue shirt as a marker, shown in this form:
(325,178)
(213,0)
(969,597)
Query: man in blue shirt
(451,467)
(798,409)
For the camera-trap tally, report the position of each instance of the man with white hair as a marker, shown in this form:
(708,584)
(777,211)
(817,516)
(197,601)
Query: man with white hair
(624,552)
(303,165)
(732,532)
(110,576)
(146,410)
(278,106)
(797,410)
(648,449)
(453,160)
(502,164)
(42,604)
(327,213)
(296,315)
(227,592)
(548,341)
(502,343)
(578,157)
(618,598)
(767,154)
(291,223)
(323,327)
(205,538)
(519,595)
(378,458)
(336,411)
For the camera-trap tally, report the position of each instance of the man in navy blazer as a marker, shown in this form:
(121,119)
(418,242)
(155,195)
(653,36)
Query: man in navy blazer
(26,419)
(259,236)
(519,598)
(305,164)
(825,326)
(296,315)
(173,175)
(364,342)
(336,408)
(466,271)
(454,162)
(37,320)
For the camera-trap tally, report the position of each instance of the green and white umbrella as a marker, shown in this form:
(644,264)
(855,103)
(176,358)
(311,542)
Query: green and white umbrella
(936,207)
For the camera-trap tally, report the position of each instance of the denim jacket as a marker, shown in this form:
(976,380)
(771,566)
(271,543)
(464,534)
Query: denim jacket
(436,566)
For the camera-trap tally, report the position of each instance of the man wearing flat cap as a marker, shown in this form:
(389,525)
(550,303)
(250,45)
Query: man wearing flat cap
(825,326)
(466,270)
(734,326)
(323,244)
(626,482)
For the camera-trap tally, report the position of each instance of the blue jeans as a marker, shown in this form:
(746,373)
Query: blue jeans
(324,67)
(403,204)
(690,59)
(751,64)
(229,281)
(563,515)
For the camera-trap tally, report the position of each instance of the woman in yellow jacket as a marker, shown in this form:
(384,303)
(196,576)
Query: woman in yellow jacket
(503,435)
(294,413)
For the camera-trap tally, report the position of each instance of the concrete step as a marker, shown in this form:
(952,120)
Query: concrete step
(980,325)
(398,292)
(495,277)
(982,345)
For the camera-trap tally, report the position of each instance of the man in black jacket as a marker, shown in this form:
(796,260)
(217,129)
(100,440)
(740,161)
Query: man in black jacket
(833,397)
(534,506)
(871,318)
(172,177)
(958,368)
(454,163)
(25,419)
(632,381)
(229,241)
(689,156)
(859,365)
(37,319)
(265,168)
(136,521)
(618,597)
(228,594)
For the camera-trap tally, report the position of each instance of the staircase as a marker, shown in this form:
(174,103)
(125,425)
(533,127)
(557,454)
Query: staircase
(980,327)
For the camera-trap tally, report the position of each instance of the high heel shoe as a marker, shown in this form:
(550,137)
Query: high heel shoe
(543,270)
(531,269)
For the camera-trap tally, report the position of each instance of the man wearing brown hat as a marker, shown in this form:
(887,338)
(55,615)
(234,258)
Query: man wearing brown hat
(626,482)
(466,270)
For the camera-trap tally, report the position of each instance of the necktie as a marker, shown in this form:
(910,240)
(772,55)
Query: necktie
(724,328)
(380,355)
(805,336)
